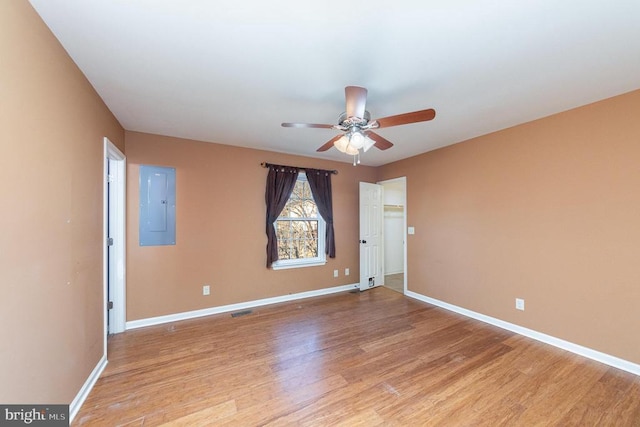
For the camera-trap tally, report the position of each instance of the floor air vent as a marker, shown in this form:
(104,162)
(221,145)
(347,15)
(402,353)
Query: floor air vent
(241,313)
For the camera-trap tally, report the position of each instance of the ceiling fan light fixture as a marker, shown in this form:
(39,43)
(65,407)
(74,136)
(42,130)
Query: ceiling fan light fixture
(356,124)
(352,151)
(357,139)
(342,143)
(368,143)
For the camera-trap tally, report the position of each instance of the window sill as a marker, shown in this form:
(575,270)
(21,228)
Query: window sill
(279,265)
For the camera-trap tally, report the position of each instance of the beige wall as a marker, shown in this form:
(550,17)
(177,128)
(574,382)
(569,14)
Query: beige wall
(547,211)
(51,303)
(220,229)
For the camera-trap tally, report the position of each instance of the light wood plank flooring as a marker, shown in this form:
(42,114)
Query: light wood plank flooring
(395,282)
(368,359)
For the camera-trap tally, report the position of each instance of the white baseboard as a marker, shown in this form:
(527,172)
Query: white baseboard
(76,404)
(141,323)
(386,273)
(598,356)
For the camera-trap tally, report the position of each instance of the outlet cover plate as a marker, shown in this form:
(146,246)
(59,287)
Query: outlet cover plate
(519,304)
(206,290)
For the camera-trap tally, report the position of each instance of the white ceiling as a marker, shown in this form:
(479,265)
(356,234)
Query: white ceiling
(230,71)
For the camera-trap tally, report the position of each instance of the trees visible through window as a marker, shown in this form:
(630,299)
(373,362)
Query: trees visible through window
(298,228)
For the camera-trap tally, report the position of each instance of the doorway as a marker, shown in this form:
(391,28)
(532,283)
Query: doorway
(114,233)
(395,226)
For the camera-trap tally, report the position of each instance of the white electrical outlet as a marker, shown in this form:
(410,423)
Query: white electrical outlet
(206,290)
(519,304)
(411,230)
(335,273)
(346,271)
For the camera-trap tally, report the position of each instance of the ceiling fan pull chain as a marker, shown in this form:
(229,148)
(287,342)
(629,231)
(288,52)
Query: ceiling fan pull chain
(356,159)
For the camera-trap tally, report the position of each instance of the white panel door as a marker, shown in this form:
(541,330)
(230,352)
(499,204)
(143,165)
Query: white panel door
(371,236)
(114,228)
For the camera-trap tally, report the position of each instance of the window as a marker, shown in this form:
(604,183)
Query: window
(298,228)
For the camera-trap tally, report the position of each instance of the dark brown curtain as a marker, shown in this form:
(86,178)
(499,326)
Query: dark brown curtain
(280,183)
(320,184)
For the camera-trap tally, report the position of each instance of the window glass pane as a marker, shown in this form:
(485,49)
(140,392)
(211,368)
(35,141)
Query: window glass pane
(283,251)
(298,233)
(313,238)
(310,208)
(283,234)
(296,209)
(298,190)
(306,192)
(297,229)
(282,230)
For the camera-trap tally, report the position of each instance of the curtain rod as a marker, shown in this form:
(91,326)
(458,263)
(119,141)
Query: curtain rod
(266,165)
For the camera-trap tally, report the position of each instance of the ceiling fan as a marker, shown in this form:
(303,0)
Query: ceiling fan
(356,125)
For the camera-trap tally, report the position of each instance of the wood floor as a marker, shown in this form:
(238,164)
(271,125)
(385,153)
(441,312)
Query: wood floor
(395,282)
(368,359)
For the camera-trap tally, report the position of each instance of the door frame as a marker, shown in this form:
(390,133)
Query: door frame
(114,173)
(402,179)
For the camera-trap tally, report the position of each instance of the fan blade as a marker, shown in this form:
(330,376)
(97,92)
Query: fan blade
(306,125)
(329,144)
(381,142)
(356,101)
(406,118)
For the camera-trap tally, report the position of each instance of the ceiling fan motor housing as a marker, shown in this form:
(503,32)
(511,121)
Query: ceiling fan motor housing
(345,121)
(355,124)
